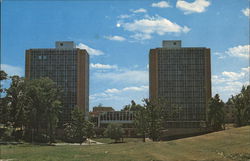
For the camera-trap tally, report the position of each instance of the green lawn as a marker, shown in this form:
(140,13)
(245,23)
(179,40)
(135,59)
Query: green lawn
(233,144)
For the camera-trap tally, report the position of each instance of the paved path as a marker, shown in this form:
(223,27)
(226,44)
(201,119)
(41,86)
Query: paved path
(87,142)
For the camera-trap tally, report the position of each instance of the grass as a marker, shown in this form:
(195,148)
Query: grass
(229,145)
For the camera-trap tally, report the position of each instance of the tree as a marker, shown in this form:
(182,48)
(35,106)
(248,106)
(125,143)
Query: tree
(132,107)
(150,118)
(114,131)
(89,128)
(16,102)
(3,102)
(241,103)
(3,76)
(216,115)
(76,130)
(44,104)
(140,121)
(155,112)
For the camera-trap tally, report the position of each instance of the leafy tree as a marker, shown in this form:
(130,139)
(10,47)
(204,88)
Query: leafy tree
(216,114)
(3,102)
(114,131)
(151,117)
(140,121)
(155,117)
(16,102)
(78,129)
(241,103)
(3,76)
(132,107)
(89,127)
(43,105)
(29,105)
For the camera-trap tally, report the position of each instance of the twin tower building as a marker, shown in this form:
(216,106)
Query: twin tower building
(180,75)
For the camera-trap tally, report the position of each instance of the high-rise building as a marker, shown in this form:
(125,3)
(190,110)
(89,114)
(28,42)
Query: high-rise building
(68,67)
(182,76)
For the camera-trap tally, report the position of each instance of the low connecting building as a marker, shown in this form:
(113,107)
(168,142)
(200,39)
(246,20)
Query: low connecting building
(102,116)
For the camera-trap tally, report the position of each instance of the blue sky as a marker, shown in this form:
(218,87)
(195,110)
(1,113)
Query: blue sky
(119,34)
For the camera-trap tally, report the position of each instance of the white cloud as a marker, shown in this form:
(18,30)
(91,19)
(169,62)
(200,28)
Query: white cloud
(133,88)
(198,6)
(124,16)
(220,55)
(141,88)
(90,50)
(161,4)
(218,79)
(247,69)
(120,97)
(246,12)
(233,75)
(128,76)
(239,51)
(141,36)
(144,28)
(140,10)
(230,83)
(115,38)
(12,70)
(112,90)
(102,66)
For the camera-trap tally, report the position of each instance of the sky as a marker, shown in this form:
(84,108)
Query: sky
(119,34)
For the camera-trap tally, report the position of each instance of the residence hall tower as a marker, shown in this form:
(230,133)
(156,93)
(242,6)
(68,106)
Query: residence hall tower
(182,76)
(68,67)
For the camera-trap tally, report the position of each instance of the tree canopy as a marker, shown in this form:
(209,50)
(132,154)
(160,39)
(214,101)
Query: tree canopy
(216,115)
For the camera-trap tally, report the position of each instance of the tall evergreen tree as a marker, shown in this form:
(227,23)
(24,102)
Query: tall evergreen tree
(216,115)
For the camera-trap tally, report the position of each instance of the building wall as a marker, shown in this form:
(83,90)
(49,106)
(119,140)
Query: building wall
(68,68)
(153,73)
(183,77)
(83,80)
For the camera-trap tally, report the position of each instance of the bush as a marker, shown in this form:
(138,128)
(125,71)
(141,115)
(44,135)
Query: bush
(6,133)
(114,131)
(18,135)
(41,138)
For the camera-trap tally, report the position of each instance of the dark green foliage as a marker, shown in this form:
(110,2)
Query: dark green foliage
(150,118)
(216,115)
(15,102)
(79,129)
(140,122)
(155,118)
(241,104)
(43,106)
(6,133)
(3,76)
(132,107)
(114,131)
(89,127)
(31,106)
